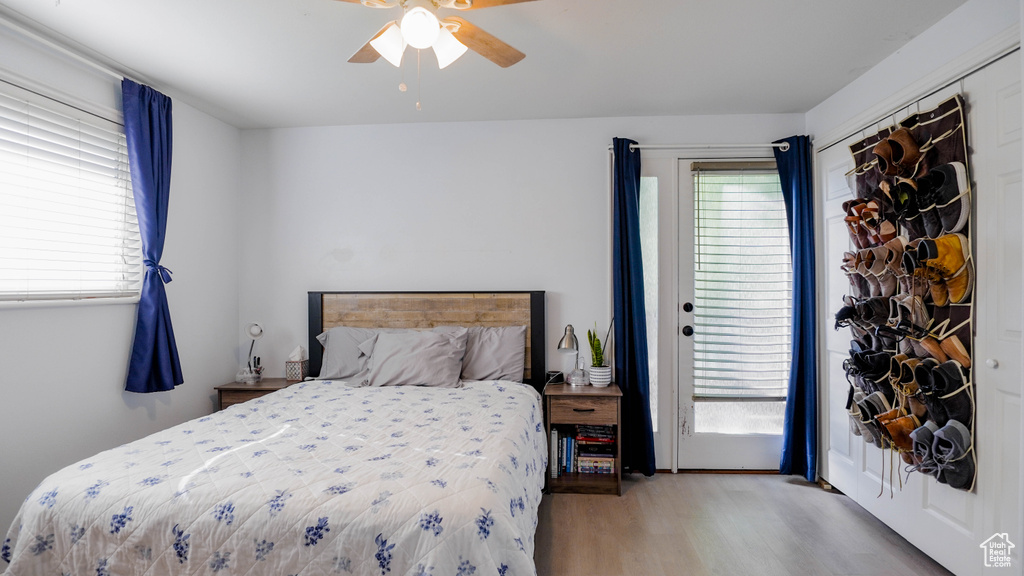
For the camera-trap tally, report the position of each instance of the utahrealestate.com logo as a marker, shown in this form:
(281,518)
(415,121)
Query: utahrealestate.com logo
(997,551)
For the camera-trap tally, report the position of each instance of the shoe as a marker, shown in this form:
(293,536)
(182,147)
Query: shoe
(950,256)
(913,225)
(893,258)
(954,392)
(903,195)
(913,285)
(917,407)
(955,349)
(871,370)
(853,411)
(863,430)
(906,380)
(871,406)
(913,265)
(925,383)
(947,253)
(898,431)
(853,209)
(883,156)
(929,217)
(922,440)
(846,316)
(878,228)
(908,315)
(951,450)
(932,348)
(870,263)
(938,290)
(960,286)
(948,193)
(898,154)
(859,286)
(874,311)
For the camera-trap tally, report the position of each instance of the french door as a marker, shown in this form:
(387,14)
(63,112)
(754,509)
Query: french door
(733,305)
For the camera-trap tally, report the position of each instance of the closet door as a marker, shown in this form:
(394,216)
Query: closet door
(949,525)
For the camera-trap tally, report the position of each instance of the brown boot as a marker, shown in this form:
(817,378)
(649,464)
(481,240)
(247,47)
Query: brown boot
(961,284)
(947,254)
(898,430)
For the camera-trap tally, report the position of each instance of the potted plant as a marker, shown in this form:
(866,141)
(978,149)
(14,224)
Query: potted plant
(600,374)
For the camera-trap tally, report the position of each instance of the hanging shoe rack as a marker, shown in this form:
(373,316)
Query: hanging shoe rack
(910,306)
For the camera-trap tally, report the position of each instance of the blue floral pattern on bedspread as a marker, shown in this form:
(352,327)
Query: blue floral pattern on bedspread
(318,478)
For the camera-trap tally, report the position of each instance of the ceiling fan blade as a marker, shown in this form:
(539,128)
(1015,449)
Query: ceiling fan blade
(477,4)
(379,3)
(484,44)
(367,53)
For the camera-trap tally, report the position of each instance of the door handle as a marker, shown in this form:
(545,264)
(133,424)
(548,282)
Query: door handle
(583,409)
(687,330)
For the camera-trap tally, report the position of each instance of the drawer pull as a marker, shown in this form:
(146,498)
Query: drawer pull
(583,409)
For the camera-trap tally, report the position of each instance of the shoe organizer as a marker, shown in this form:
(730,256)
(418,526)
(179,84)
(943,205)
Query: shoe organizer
(910,306)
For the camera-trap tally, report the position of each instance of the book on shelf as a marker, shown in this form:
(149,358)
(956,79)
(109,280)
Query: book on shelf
(553,463)
(594,433)
(584,449)
(596,449)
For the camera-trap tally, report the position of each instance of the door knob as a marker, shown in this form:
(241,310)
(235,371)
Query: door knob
(687,330)
(992,363)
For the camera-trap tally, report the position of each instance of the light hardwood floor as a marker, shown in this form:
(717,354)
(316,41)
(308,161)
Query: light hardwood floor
(723,524)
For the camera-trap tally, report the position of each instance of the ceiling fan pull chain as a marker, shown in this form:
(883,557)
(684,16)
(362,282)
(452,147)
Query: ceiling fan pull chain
(418,81)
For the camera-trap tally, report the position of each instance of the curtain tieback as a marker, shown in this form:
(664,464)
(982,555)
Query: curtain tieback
(165,274)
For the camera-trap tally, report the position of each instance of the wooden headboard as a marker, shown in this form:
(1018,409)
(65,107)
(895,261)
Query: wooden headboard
(429,309)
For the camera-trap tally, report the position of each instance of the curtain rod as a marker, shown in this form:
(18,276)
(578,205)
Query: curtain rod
(784,146)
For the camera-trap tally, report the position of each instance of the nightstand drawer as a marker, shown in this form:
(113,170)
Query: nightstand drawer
(237,392)
(583,410)
(229,397)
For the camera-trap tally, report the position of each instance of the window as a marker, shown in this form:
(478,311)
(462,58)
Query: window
(649,256)
(742,307)
(67,217)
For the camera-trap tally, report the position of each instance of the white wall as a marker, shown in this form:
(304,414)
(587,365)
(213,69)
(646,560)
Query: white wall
(62,369)
(968,28)
(451,206)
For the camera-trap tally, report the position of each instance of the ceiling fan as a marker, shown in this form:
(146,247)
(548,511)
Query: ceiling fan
(420,28)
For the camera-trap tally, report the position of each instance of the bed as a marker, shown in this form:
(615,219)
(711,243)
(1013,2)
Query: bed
(322,477)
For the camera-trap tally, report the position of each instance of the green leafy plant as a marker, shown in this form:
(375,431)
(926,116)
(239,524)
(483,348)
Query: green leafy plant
(596,348)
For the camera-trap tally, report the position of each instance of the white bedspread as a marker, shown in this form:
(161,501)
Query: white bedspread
(317,479)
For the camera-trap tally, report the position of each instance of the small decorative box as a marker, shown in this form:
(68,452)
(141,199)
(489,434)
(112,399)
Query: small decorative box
(295,370)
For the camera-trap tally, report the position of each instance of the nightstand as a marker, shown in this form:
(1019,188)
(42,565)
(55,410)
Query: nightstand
(597,409)
(238,392)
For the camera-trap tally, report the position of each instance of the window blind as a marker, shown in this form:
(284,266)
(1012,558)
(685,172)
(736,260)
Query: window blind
(742,285)
(68,228)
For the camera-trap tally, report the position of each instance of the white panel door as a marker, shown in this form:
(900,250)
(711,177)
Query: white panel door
(947,524)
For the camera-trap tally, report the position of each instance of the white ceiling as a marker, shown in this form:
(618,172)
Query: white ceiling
(275,63)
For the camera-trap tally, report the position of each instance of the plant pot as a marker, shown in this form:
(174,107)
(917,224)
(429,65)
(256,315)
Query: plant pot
(600,376)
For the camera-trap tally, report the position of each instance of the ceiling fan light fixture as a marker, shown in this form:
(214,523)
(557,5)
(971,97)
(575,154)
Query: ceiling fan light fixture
(447,48)
(420,28)
(390,44)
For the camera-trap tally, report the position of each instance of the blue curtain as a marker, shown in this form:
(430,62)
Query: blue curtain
(631,369)
(154,363)
(800,431)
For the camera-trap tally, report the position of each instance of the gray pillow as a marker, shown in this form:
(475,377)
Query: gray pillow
(494,353)
(342,357)
(416,359)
